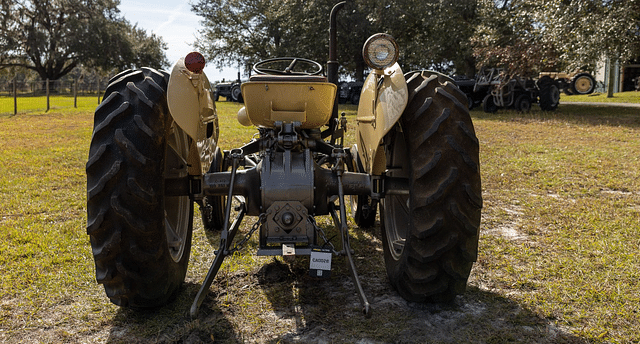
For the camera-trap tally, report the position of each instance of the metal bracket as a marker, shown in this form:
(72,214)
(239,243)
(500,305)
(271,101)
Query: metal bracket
(288,250)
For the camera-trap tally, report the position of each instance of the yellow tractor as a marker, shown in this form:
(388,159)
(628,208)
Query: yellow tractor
(572,83)
(154,153)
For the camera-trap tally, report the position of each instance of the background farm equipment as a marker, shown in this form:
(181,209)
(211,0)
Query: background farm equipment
(349,92)
(475,93)
(516,92)
(572,83)
(230,90)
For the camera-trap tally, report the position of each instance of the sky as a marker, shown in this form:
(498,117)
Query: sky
(176,24)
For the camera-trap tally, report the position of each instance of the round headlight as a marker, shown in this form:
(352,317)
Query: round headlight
(380,51)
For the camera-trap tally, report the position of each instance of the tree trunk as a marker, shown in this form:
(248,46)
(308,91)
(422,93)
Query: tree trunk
(470,67)
(360,66)
(612,78)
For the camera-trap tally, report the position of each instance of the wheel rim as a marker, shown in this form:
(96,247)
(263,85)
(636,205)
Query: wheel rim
(235,93)
(396,206)
(176,208)
(583,84)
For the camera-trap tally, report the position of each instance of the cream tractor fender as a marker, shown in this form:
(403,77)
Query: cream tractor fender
(192,108)
(383,98)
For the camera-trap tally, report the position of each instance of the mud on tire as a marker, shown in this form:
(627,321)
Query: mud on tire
(140,238)
(430,233)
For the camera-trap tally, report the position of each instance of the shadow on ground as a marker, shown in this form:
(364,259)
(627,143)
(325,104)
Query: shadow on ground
(172,323)
(303,309)
(328,311)
(570,113)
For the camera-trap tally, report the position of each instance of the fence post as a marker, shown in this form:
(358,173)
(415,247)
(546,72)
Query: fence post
(47,86)
(15,98)
(75,93)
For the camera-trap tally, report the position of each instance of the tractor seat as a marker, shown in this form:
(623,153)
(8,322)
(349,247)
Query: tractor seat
(288,78)
(268,99)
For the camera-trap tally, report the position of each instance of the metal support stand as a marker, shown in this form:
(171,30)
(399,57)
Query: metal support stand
(341,223)
(226,238)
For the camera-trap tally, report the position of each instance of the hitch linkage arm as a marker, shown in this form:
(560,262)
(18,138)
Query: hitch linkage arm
(226,237)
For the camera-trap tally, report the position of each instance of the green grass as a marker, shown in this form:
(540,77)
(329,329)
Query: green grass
(569,184)
(558,248)
(622,97)
(39,104)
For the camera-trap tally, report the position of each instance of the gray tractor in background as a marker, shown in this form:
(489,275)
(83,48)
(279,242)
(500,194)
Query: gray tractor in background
(349,92)
(515,92)
(230,90)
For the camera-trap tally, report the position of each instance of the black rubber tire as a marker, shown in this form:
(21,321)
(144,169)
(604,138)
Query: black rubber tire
(141,239)
(470,103)
(362,209)
(523,103)
(430,236)
(212,209)
(549,93)
(355,98)
(583,83)
(488,105)
(236,94)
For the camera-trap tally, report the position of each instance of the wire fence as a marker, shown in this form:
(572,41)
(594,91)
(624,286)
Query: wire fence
(17,96)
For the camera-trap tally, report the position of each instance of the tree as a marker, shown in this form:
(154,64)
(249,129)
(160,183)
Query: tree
(586,31)
(247,31)
(52,37)
(528,36)
(509,36)
(430,33)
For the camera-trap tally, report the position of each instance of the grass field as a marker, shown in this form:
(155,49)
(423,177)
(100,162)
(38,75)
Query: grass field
(622,97)
(39,104)
(558,258)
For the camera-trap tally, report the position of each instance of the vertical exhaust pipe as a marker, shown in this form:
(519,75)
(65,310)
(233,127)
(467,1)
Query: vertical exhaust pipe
(332,64)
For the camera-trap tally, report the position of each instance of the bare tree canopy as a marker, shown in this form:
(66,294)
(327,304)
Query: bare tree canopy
(52,37)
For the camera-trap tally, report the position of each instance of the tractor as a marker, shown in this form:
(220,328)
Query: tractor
(230,90)
(414,166)
(516,92)
(349,92)
(573,83)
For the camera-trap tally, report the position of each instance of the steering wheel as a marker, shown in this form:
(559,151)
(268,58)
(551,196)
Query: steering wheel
(276,65)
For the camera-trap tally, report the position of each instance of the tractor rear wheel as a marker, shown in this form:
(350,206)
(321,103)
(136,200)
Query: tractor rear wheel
(430,231)
(141,238)
(488,105)
(236,94)
(583,83)
(549,93)
(523,103)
